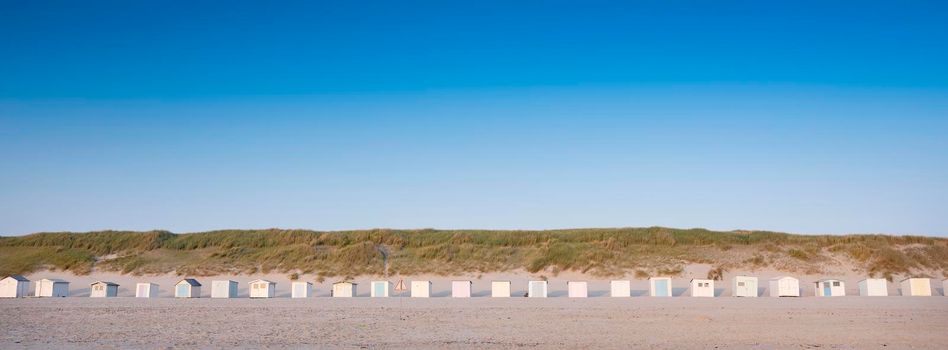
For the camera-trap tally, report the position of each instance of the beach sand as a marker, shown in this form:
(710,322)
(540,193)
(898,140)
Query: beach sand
(436,323)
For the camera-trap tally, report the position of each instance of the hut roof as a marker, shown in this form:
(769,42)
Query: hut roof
(55,280)
(104,282)
(267,282)
(19,278)
(700,279)
(191,281)
(782,277)
(911,278)
(345,282)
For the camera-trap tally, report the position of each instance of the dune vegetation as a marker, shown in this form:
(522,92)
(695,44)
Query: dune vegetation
(602,252)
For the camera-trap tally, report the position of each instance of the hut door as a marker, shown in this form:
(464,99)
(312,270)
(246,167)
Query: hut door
(300,290)
(536,290)
(661,288)
(143,291)
(182,291)
(380,289)
(827,291)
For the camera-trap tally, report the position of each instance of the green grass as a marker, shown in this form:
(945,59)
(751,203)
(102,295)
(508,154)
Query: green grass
(608,251)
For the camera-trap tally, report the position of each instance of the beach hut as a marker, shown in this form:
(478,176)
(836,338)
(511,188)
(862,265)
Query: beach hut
(873,287)
(52,288)
(944,288)
(15,286)
(702,288)
(620,288)
(146,290)
(577,289)
(343,289)
(420,289)
(187,288)
(380,289)
(500,289)
(745,286)
(536,289)
(262,289)
(300,289)
(916,287)
(461,289)
(101,289)
(829,288)
(660,286)
(223,289)
(784,286)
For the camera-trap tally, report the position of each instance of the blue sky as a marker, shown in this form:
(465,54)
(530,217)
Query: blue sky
(810,117)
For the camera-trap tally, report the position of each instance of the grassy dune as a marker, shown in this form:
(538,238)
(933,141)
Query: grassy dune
(603,252)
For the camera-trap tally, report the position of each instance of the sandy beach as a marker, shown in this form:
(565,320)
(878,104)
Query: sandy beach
(691,323)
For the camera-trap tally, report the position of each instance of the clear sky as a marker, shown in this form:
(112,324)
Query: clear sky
(815,117)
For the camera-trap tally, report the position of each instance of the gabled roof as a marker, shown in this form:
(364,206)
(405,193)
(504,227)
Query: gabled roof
(18,278)
(104,282)
(913,278)
(345,282)
(191,281)
(828,280)
(700,279)
(55,280)
(783,277)
(302,282)
(258,281)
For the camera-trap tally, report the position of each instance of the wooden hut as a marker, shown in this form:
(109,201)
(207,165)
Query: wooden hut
(344,289)
(660,286)
(301,289)
(52,288)
(620,289)
(461,289)
(262,289)
(223,289)
(702,288)
(829,288)
(874,287)
(500,289)
(745,286)
(187,288)
(918,287)
(420,289)
(146,290)
(577,289)
(102,289)
(537,289)
(784,286)
(14,286)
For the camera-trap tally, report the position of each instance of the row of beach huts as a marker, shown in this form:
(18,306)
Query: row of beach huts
(743,286)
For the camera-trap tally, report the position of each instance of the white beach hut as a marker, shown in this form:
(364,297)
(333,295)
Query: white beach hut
(660,286)
(187,288)
(344,289)
(702,288)
(101,289)
(301,289)
(620,289)
(223,289)
(577,289)
(262,289)
(918,287)
(536,289)
(829,288)
(500,289)
(745,286)
(146,290)
(52,288)
(380,289)
(784,286)
(461,289)
(15,286)
(873,287)
(420,289)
